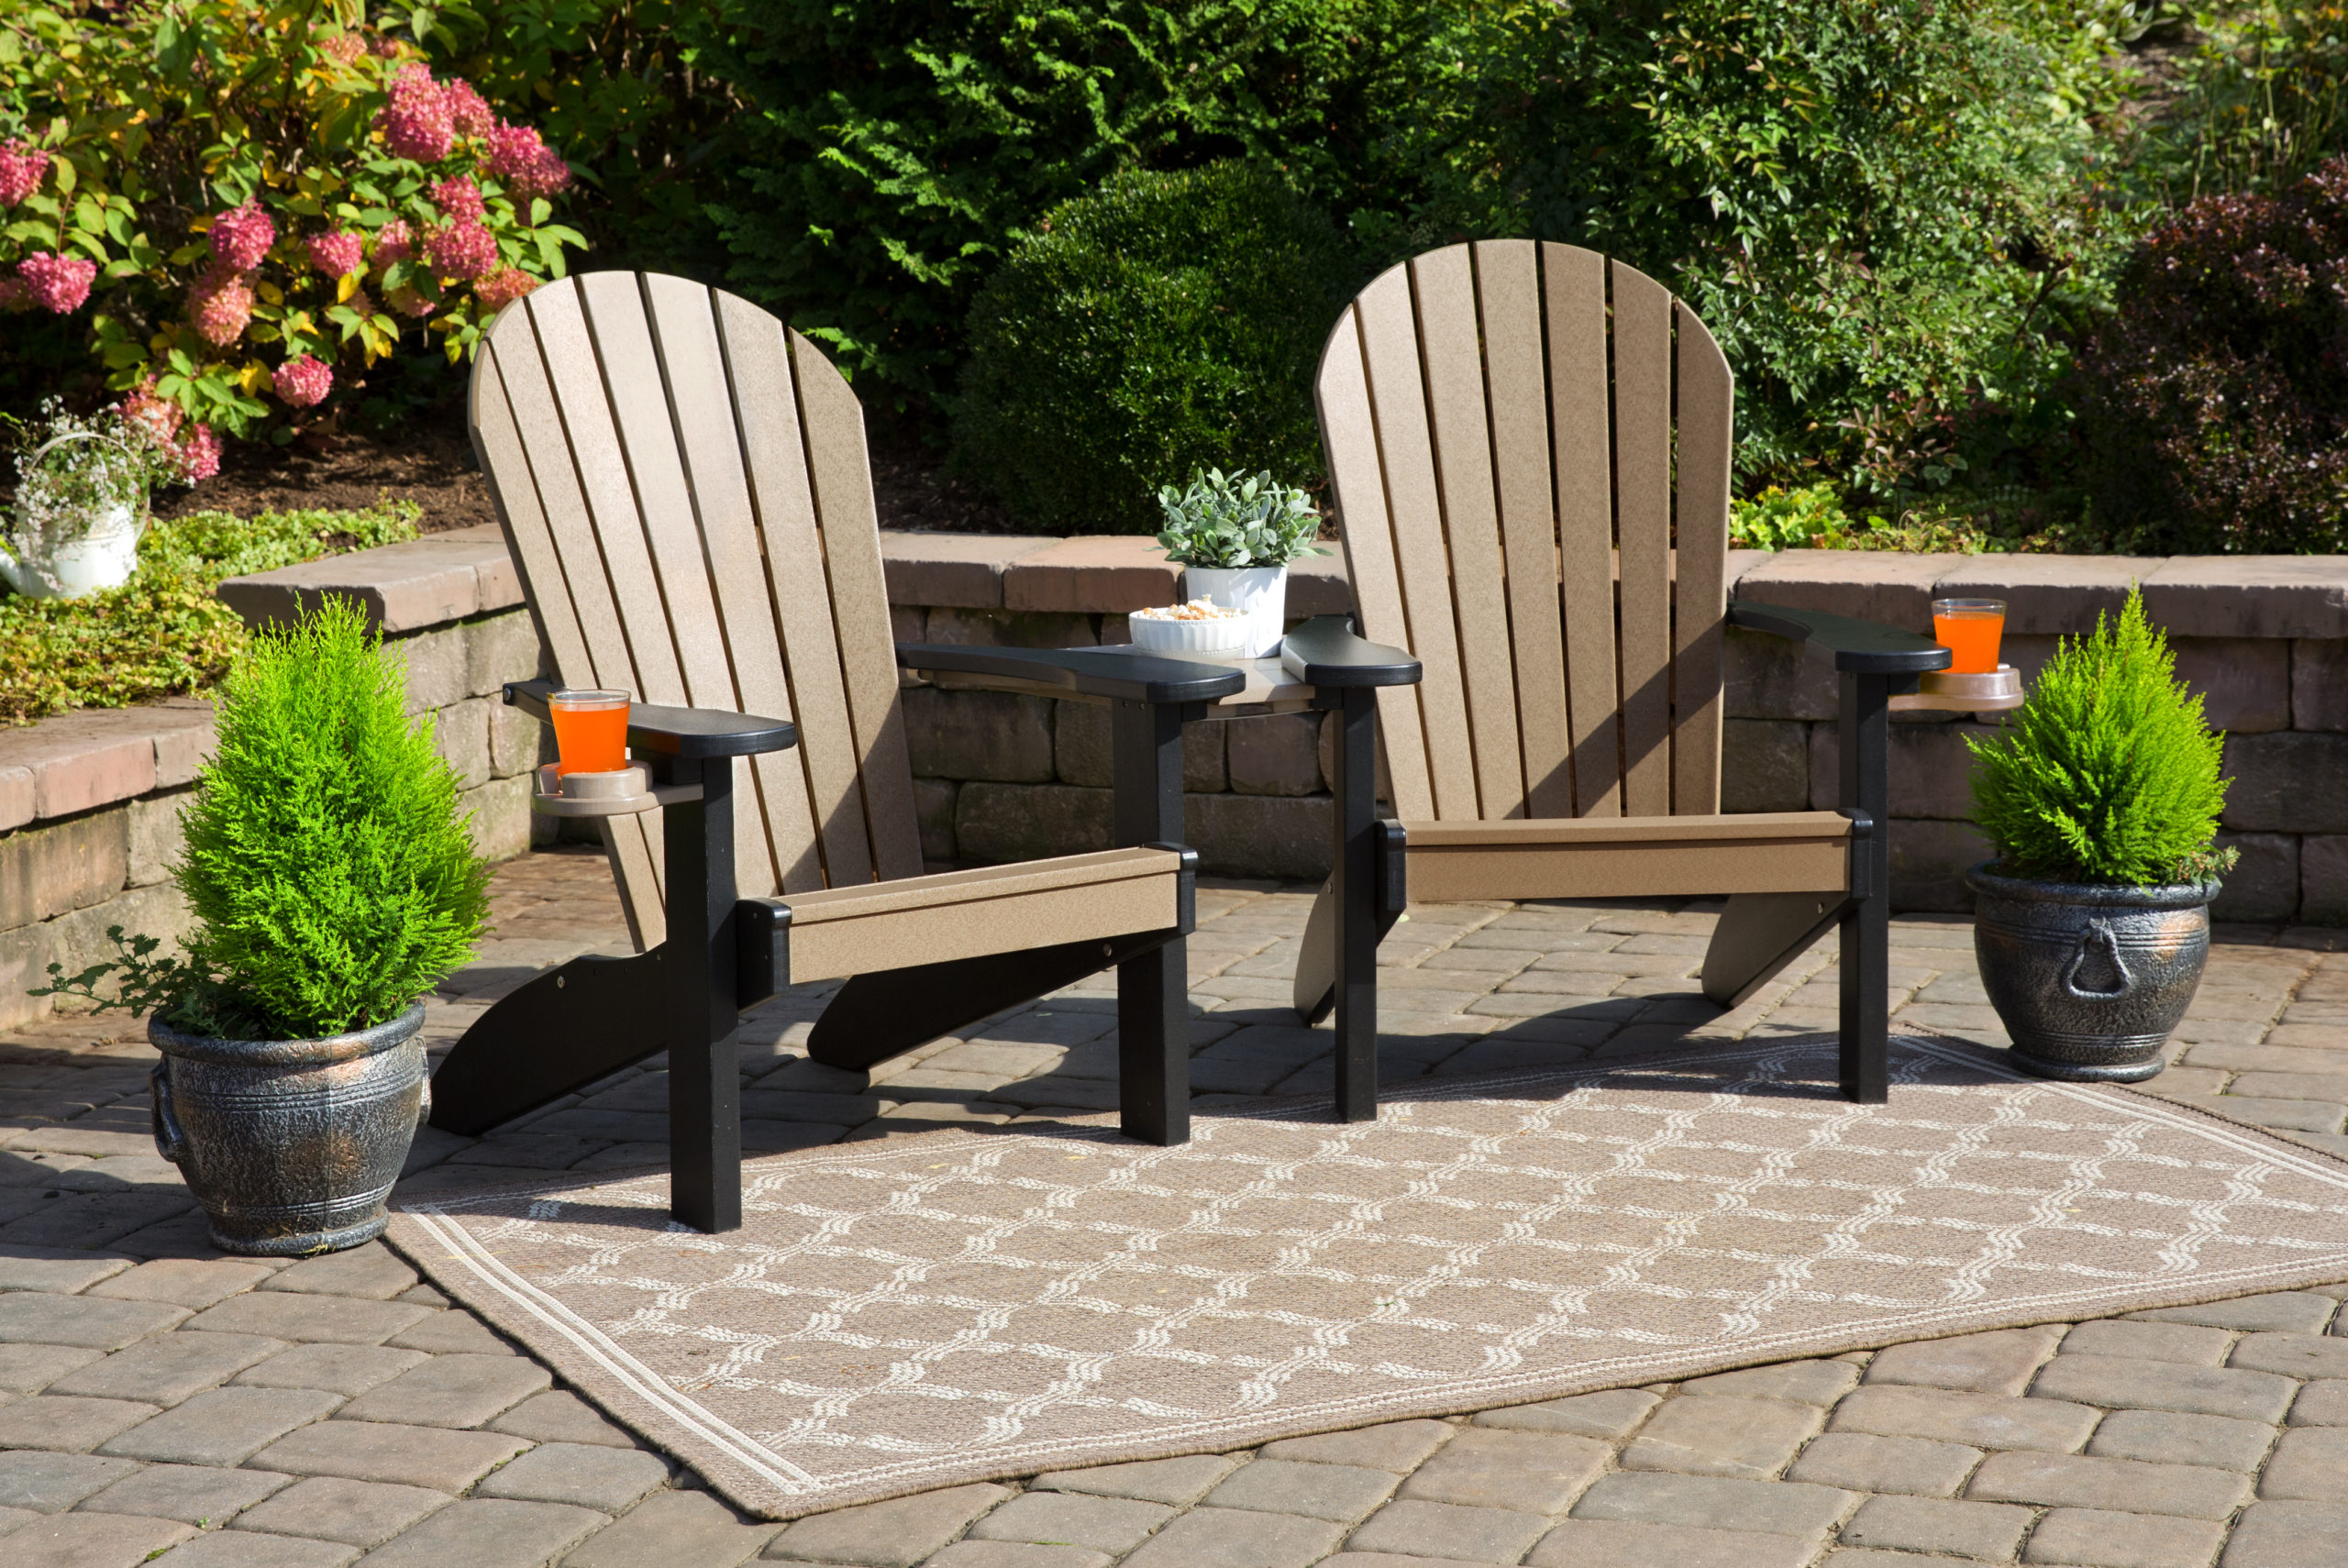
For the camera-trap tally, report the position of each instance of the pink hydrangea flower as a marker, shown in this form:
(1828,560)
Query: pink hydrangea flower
(220,305)
(361,301)
(417,123)
(21,169)
(462,250)
(152,412)
(241,236)
(503,287)
(394,242)
(468,110)
(57,283)
(304,382)
(521,161)
(460,198)
(407,302)
(337,252)
(344,49)
(199,453)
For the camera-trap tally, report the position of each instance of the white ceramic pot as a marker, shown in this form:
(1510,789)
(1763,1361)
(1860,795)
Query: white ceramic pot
(1262,591)
(103,558)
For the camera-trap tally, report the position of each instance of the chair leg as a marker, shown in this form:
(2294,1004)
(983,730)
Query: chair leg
(1865,764)
(1315,991)
(705,1071)
(1759,934)
(558,1032)
(1153,988)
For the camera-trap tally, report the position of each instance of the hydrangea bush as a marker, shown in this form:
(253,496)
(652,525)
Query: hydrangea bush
(257,203)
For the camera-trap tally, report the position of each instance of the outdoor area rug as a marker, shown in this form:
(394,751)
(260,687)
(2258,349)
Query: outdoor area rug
(913,1312)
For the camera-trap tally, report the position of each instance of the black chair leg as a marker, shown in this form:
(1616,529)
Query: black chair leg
(1865,766)
(1153,989)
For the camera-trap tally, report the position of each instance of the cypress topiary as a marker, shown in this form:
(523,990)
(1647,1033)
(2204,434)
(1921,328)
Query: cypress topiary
(2109,773)
(329,868)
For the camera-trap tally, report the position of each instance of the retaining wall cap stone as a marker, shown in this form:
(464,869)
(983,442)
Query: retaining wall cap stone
(1098,573)
(78,761)
(1874,585)
(2250,596)
(404,586)
(954,571)
(2048,595)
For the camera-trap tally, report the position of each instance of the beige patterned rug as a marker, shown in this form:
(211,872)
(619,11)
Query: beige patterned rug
(903,1314)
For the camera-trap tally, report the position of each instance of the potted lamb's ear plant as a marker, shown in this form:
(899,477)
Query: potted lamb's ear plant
(1235,538)
(2102,798)
(333,882)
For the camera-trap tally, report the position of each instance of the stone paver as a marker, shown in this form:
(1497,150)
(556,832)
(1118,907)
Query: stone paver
(239,1413)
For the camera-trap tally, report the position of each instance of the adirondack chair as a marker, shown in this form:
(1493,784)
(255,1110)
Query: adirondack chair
(684,485)
(1529,451)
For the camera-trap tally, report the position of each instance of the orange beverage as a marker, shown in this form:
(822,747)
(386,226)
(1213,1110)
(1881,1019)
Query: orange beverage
(1970,628)
(590,730)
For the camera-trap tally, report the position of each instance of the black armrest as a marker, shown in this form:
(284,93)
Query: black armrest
(1861,648)
(1087,672)
(689,733)
(1326,651)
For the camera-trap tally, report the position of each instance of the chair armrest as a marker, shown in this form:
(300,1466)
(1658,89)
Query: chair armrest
(1859,648)
(1087,672)
(687,734)
(1326,651)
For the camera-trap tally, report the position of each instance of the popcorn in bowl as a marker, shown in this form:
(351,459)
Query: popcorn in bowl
(1200,626)
(1196,609)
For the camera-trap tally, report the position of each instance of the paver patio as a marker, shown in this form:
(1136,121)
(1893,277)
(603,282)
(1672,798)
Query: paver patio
(159,1401)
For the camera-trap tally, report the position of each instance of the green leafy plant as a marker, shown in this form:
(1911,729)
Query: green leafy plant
(165,632)
(257,199)
(330,865)
(1165,323)
(1230,520)
(2109,773)
(1810,517)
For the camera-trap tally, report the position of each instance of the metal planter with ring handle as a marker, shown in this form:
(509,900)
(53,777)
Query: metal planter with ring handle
(2090,981)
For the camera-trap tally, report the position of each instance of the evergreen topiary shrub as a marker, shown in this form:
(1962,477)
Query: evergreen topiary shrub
(1167,324)
(2109,772)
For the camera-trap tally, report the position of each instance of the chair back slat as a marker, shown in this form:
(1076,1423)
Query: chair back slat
(1706,393)
(1643,533)
(802,640)
(1356,477)
(1581,428)
(842,474)
(1536,502)
(1390,339)
(1444,284)
(685,489)
(1508,287)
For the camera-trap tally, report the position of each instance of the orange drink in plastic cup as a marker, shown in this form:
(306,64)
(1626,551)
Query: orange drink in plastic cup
(1970,628)
(590,730)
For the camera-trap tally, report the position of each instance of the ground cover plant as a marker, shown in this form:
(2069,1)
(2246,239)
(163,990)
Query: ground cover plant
(164,633)
(1167,324)
(240,205)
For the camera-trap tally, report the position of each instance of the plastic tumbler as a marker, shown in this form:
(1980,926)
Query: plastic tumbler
(1970,628)
(590,730)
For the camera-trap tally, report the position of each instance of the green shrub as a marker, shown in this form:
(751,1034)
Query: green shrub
(1884,209)
(2109,772)
(1167,324)
(329,865)
(164,633)
(1811,517)
(891,153)
(2260,98)
(250,203)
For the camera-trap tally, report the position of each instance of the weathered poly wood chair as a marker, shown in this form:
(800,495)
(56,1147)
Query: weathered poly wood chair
(1529,451)
(684,485)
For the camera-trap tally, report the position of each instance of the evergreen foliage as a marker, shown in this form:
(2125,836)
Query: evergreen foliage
(2109,773)
(1165,325)
(329,865)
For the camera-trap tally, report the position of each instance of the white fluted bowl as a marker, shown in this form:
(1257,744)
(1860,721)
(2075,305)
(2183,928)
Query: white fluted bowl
(1223,635)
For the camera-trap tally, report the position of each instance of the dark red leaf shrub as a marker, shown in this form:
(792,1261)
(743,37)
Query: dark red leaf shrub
(2215,404)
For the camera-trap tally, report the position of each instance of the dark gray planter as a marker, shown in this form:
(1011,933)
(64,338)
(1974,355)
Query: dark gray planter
(2090,981)
(291,1145)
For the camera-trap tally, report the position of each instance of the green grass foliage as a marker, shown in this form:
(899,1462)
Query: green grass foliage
(2109,773)
(1166,324)
(163,633)
(329,865)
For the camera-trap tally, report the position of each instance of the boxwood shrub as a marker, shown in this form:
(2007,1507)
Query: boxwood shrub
(1168,323)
